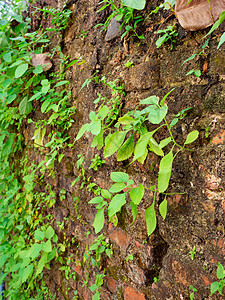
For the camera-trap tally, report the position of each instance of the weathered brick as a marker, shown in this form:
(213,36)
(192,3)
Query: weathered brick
(220,138)
(121,238)
(111,283)
(132,294)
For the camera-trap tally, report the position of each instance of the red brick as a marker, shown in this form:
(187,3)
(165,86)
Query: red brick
(206,280)
(121,238)
(220,138)
(132,294)
(179,273)
(111,283)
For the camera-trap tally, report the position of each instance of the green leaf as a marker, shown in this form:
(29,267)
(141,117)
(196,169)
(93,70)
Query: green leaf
(39,235)
(3,259)
(99,220)
(95,127)
(41,263)
(165,142)
(165,169)
(114,142)
(214,287)
(216,24)
(49,232)
(154,147)
(47,247)
(25,107)
(192,136)
(38,69)
(26,273)
(7,57)
(34,251)
(96,200)
(126,150)
(150,218)
(126,120)
(136,194)
(20,70)
(119,177)
(222,40)
(141,145)
(61,83)
(83,129)
(98,140)
(220,271)
(116,203)
(117,187)
(164,98)
(136,4)
(163,208)
(152,100)
(157,115)
(133,210)
(103,112)
(106,194)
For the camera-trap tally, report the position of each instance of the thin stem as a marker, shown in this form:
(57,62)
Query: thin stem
(173,137)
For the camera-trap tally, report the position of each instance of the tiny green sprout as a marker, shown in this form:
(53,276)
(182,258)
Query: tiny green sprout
(129,64)
(207,132)
(96,162)
(197,73)
(130,257)
(193,290)
(156,279)
(192,253)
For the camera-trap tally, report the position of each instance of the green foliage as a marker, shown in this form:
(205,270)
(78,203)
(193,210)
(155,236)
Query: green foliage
(96,162)
(217,286)
(168,35)
(192,253)
(193,290)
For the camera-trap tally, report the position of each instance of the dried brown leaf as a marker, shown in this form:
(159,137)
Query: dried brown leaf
(41,60)
(197,14)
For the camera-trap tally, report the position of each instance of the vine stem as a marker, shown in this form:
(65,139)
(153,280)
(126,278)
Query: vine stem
(173,137)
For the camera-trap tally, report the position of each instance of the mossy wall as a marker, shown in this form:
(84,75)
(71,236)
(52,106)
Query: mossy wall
(195,218)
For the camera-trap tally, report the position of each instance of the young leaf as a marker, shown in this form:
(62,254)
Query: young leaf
(119,177)
(41,263)
(126,120)
(99,220)
(39,235)
(165,142)
(192,136)
(25,107)
(214,287)
(164,98)
(96,200)
(150,218)
(141,144)
(126,150)
(163,208)
(49,232)
(157,115)
(222,40)
(47,247)
(165,169)
(106,194)
(220,271)
(117,187)
(154,147)
(116,203)
(95,127)
(152,100)
(136,194)
(114,142)
(136,4)
(133,210)
(20,70)
(83,129)
(26,273)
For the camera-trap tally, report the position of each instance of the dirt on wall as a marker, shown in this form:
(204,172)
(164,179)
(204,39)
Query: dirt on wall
(195,218)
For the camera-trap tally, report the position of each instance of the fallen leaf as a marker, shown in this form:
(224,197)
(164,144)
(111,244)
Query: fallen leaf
(197,15)
(41,60)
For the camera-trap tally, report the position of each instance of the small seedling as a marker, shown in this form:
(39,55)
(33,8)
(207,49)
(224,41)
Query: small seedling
(193,290)
(130,257)
(96,162)
(192,253)
(129,64)
(217,286)
(168,35)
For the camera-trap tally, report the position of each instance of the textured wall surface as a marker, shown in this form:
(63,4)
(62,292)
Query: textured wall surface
(195,218)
